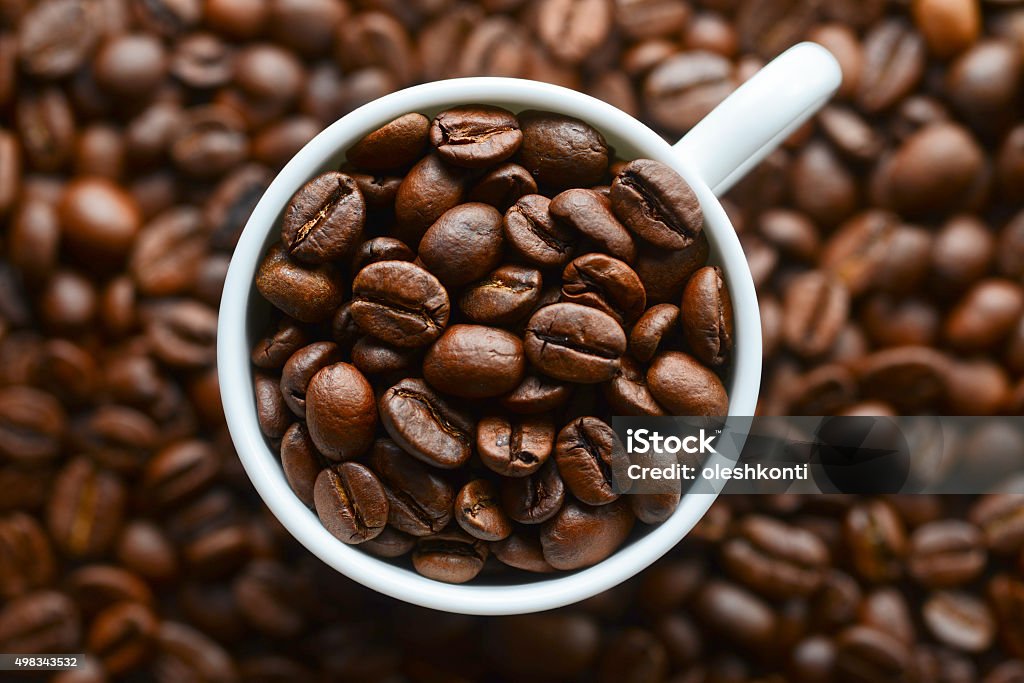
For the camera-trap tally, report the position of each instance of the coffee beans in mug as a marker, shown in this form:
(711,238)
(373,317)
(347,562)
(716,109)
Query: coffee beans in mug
(452,350)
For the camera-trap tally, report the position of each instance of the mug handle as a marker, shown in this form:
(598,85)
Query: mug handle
(759,115)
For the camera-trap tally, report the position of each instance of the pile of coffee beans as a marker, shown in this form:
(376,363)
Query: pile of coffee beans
(510,290)
(137,135)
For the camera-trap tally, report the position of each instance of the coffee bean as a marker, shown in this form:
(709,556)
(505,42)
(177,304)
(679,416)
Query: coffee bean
(381,249)
(589,213)
(684,88)
(122,636)
(813,312)
(38,623)
(86,509)
(894,61)
(429,189)
(450,556)
(475,136)
(268,596)
(590,459)
(145,550)
(372,357)
(685,387)
(183,333)
(478,511)
(340,412)
(522,552)
(514,448)
(350,502)
(876,539)
(299,370)
(985,315)
(573,29)
(866,654)
(300,461)
(419,500)
(574,343)
(580,535)
(100,220)
(707,316)
(770,26)
(400,303)
(776,559)
(504,296)
(561,151)
(167,254)
(503,187)
(464,244)
(948,26)
(425,425)
(657,204)
(946,553)
(25,555)
(534,498)
(210,141)
(273,351)
(394,145)
(32,424)
(308,295)
(628,393)
(960,621)
(535,235)
(473,361)
(606,284)
(324,219)
(389,543)
(536,394)
(655,326)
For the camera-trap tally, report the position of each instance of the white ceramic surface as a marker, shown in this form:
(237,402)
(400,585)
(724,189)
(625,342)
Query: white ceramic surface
(713,156)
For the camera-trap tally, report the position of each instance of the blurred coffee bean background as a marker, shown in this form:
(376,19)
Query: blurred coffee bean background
(886,239)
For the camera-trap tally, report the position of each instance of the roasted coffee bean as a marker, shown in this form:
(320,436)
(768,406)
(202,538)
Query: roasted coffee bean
(814,309)
(478,511)
(591,460)
(606,284)
(450,556)
(999,517)
(389,543)
(475,136)
(514,448)
(308,295)
(960,621)
(210,142)
(536,394)
(502,187)
(122,636)
(183,334)
(876,539)
(299,370)
(143,548)
(419,500)
(32,424)
(464,244)
(269,598)
(26,556)
(531,230)
(657,204)
(168,253)
(588,213)
(86,509)
(99,221)
(45,124)
(561,151)
(580,535)
(664,273)
(504,296)
(373,357)
(340,412)
(985,315)
(571,30)
(429,189)
(38,623)
(962,253)
(324,219)
(767,27)
(425,425)
(888,375)
(273,351)
(685,87)
(231,203)
(654,327)
(350,502)
(707,316)
(300,461)
(628,393)
(392,146)
(522,552)
(534,498)
(473,361)
(178,473)
(866,654)
(894,61)
(776,559)
(575,343)
(685,387)
(400,303)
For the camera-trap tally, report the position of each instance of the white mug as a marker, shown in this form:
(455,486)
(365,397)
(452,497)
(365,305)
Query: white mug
(713,156)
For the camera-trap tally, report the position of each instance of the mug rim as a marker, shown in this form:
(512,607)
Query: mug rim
(235,371)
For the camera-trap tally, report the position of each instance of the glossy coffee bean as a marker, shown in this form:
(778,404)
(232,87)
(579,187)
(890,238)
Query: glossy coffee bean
(32,424)
(373,357)
(657,204)
(588,213)
(473,361)
(707,316)
(340,412)
(574,343)
(324,219)
(419,499)
(425,425)
(300,461)
(26,554)
(429,189)
(464,244)
(450,556)
(400,303)
(475,136)
(656,325)
(503,187)
(561,151)
(86,509)
(685,387)
(478,511)
(628,394)
(351,502)
(775,559)
(591,460)
(534,498)
(814,309)
(123,635)
(664,273)
(299,369)
(394,145)
(604,283)
(502,297)
(580,535)
(531,230)
(39,622)
(308,295)
(516,447)
(522,552)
